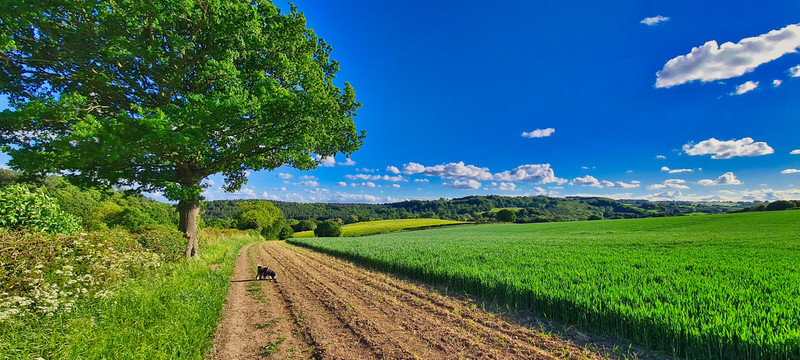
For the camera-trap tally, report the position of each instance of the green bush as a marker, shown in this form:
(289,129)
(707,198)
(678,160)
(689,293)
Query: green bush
(22,208)
(780,205)
(328,228)
(304,225)
(506,215)
(164,240)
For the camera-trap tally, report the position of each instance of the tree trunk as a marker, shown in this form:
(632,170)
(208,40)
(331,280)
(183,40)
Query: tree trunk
(189,210)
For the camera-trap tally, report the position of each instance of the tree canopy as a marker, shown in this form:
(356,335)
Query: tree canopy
(156,96)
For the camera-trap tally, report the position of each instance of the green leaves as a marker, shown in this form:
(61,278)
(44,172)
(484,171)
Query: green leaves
(21,208)
(149,95)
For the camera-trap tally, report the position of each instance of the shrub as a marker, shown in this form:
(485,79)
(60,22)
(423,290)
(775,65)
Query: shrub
(595,217)
(52,272)
(506,215)
(328,229)
(305,225)
(164,240)
(780,205)
(21,208)
(257,215)
(279,229)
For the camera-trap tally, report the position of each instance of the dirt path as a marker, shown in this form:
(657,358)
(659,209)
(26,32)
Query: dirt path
(325,308)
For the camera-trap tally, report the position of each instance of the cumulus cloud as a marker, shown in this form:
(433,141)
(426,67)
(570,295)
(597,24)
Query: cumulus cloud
(308,177)
(341,183)
(326,162)
(665,196)
(795,71)
(284,176)
(396,185)
(675,171)
(728,149)
(376,177)
(660,157)
(538,133)
(711,61)
(451,170)
(745,88)
(650,21)
(535,173)
(790,171)
(669,184)
(725,179)
(365,184)
(776,83)
(306,183)
(393,169)
(422,180)
(589,180)
(366,170)
(348,162)
(795,152)
(506,186)
(462,184)
(358,198)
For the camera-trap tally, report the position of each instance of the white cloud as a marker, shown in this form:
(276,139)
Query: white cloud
(365,184)
(348,162)
(376,177)
(393,169)
(660,157)
(306,183)
(795,71)
(745,88)
(421,180)
(728,149)
(795,152)
(669,184)
(538,133)
(665,196)
(790,171)
(725,179)
(650,21)
(326,162)
(711,62)
(536,173)
(308,177)
(341,183)
(589,180)
(506,186)
(360,198)
(776,83)
(396,185)
(366,170)
(451,170)
(462,184)
(675,171)
(285,176)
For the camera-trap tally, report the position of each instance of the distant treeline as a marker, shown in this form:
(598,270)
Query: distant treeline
(479,208)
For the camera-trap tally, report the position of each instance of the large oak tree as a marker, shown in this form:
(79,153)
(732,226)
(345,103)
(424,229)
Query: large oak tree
(159,95)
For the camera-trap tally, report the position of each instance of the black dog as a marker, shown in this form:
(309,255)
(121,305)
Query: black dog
(264,272)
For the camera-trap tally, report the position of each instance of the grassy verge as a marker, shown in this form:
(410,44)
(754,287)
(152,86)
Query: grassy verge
(385,226)
(170,313)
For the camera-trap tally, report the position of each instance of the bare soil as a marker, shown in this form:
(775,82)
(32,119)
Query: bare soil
(325,308)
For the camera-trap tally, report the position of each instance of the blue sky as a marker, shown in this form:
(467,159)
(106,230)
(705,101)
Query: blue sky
(660,100)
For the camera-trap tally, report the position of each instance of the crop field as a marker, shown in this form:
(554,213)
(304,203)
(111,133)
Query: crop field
(716,286)
(385,226)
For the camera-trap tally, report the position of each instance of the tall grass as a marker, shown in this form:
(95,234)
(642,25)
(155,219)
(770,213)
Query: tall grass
(717,286)
(170,313)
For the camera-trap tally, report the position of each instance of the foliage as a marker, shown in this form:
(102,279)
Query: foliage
(279,229)
(23,208)
(47,274)
(328,228)
(386,226)
(136,95)
(169,313)
(506,215)
(716,286)
(257,215)
(305,225)
(482,208)
(164,240)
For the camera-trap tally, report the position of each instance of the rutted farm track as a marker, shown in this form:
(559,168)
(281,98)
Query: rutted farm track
(325,308)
